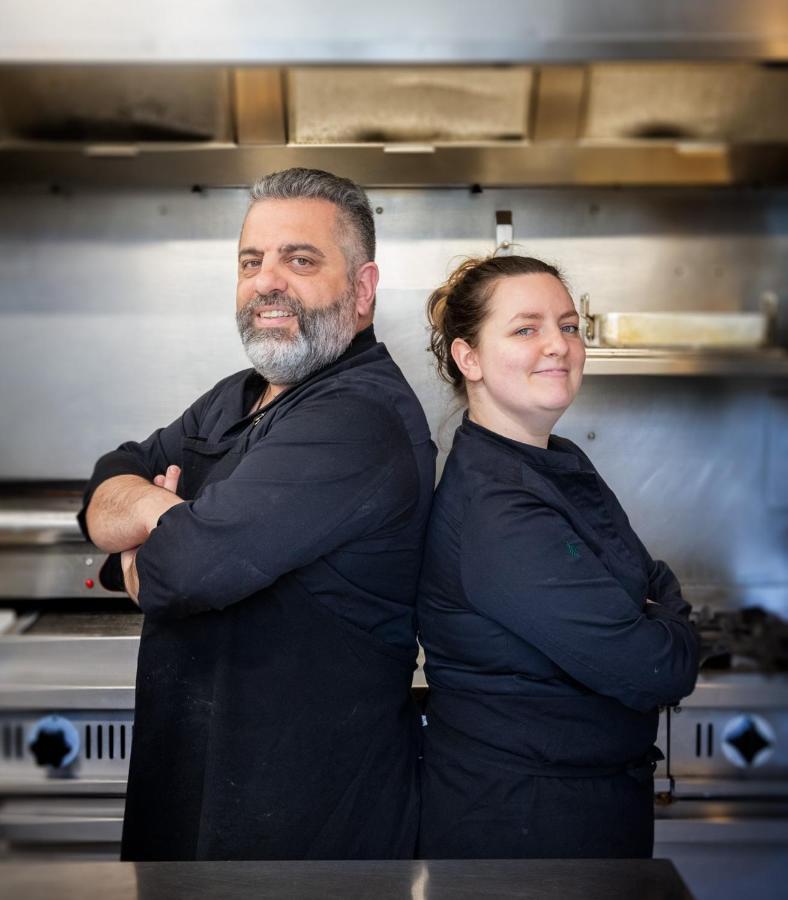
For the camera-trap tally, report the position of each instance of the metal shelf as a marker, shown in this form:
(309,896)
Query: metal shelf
(763,363)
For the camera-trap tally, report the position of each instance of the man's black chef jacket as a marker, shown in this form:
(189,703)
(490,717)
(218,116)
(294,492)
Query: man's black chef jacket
(542,655)
(273,715)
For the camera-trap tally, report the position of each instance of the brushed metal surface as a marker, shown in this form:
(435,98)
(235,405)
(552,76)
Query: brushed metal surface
(61,821)
(759,364)
(38,526)
(115,103)
(55,662)
(440,31)
(59,570)
(687,101)
(721,831)
(501,164)
(738,690)
(683,330)
(104,739)
(718,789)
(116,312)
(344,105)
(591,879)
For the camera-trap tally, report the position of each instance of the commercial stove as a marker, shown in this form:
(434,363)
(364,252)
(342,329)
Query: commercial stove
(68,656)
(722,803)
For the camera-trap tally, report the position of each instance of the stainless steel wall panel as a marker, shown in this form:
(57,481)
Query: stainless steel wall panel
(116,311)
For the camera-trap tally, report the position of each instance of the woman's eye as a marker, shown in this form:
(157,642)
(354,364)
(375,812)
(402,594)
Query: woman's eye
(570,329)
(527,330)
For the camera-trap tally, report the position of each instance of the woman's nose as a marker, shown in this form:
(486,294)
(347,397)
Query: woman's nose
(555,343)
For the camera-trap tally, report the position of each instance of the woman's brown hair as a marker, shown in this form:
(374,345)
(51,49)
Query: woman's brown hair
(458,307)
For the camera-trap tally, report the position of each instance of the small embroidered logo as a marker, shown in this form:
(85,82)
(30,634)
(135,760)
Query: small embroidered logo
(573,549)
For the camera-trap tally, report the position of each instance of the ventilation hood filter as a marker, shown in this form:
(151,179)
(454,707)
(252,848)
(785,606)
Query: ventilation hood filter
(728,102)
(389,105)
(125,104)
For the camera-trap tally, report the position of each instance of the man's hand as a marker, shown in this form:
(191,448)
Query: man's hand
(128,558)
(125,509)
(128,562)
(169,480)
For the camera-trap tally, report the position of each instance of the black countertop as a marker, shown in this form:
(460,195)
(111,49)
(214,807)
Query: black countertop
(571,879)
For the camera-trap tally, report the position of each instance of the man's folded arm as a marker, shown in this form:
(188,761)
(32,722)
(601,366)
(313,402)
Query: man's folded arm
(323,476)
(121,504)
(124,510)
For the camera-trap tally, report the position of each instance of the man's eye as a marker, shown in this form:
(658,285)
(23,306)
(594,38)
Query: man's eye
(301,262)
(247,264)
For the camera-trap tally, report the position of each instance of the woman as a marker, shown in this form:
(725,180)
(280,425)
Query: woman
(551,636)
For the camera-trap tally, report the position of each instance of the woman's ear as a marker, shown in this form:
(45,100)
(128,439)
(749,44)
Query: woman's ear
(467,359)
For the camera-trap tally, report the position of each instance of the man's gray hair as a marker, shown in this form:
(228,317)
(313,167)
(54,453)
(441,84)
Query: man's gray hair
(314,184)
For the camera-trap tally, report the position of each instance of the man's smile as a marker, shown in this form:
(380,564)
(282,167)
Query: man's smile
(268,317)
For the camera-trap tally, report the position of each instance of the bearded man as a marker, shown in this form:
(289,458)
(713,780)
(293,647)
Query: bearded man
(272,538)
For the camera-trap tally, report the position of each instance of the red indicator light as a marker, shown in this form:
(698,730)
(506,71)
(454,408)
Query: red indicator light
(89,582)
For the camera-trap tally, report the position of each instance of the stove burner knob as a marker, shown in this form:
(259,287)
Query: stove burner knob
(54,742)
(748,741)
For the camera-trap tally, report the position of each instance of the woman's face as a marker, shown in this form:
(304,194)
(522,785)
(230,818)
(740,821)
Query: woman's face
(528,362)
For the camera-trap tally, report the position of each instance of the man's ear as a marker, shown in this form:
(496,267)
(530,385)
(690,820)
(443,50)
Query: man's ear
(366,284)
(467,359)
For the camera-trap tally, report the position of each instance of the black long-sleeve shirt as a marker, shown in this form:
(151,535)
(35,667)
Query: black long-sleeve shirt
(533,613)
(273,717)
(333,482)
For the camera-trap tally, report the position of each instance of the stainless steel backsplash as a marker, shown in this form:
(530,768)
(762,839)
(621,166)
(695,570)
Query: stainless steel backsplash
(116,311)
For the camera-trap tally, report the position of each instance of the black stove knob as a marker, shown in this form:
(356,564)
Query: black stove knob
(746,739)
(50,748)
(54,742)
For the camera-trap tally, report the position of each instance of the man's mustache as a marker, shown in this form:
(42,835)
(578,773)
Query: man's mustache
(247,312)
(275,298)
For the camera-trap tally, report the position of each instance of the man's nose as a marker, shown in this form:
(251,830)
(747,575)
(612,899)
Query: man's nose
(270,278)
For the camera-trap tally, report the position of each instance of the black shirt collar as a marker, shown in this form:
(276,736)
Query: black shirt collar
(560,453)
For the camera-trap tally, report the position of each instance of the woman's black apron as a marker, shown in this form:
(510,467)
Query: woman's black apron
(272,729)
(479,801)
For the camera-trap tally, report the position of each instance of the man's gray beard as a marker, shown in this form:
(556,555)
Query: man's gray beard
(283,358)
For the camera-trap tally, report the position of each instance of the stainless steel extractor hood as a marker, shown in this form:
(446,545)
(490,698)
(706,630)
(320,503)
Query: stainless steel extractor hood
(526,92)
